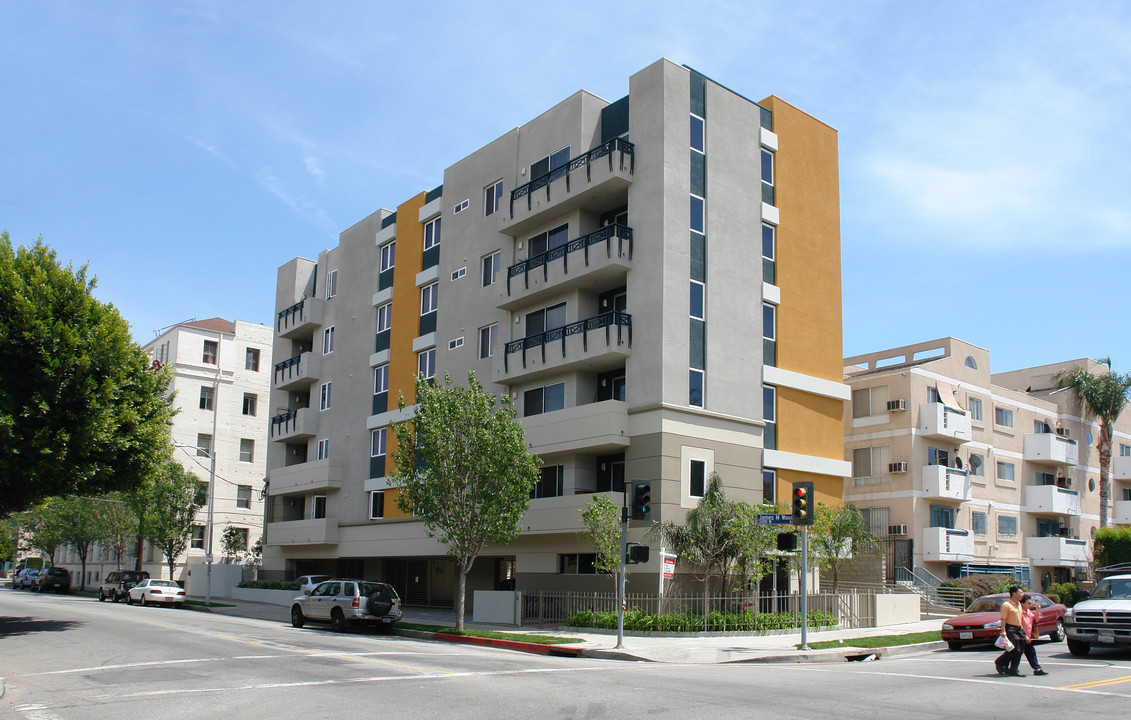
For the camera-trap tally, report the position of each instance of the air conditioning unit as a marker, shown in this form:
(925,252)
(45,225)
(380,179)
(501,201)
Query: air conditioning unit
(897,467)
(1063,432)
(894,405)
(897,530)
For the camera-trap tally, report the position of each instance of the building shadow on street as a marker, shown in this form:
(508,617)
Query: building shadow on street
(12,626)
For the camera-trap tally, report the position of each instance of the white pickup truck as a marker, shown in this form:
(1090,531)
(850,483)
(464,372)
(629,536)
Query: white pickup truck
(1104,619)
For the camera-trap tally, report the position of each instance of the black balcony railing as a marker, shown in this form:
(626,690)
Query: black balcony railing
(287,369)
(623,233)
(290,316)
(624,147)
(284,423)
(622,321)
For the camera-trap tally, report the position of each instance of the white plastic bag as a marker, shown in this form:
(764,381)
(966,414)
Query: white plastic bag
(1003,643)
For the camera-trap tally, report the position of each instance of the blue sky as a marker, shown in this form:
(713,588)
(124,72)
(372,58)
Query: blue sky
(185,150)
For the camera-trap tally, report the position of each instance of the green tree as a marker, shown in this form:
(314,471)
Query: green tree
(1103,395)
(464,470)
(9,530)
(170,511)
(120,526)
(233,543)
(81,413)
(80,520)
(601,517)
(44,527)
(840,534)
(708,539)
(754,543)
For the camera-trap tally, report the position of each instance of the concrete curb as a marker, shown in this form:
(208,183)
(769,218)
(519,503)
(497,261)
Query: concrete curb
(516,645)
(831,655)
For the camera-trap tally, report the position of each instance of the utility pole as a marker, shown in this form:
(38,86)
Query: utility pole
(623,568)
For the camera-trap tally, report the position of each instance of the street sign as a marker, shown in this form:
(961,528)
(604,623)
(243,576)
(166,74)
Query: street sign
(774,519)
(669,566)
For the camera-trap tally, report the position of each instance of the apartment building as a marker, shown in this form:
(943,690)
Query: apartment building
(654,282)
(966,471)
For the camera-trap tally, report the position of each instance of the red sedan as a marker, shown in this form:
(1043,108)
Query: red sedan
(981,623)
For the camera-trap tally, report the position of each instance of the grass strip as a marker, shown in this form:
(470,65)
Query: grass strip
(879,641)
(492,634)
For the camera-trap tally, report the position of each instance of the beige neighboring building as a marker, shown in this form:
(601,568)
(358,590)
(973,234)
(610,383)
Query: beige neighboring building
(964,471)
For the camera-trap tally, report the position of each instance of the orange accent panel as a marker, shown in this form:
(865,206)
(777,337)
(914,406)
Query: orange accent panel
(391,509)
(810,424)
(826,489)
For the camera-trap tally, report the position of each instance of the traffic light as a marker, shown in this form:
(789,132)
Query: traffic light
(802,503)
(636,554)
(641,499)
(787,541)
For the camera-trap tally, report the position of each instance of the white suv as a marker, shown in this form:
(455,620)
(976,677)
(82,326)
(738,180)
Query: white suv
(1103,619)
(348,601)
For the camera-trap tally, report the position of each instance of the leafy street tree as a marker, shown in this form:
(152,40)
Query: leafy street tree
(233,543)
(44,528)
(754,542)
(170,511)
(81,413)
(120,526)
(840,534)
(8,533)
(81,523)
(601,518)
(1103,395)
(463,468)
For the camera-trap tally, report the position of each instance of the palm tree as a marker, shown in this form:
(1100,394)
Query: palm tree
(1103,395)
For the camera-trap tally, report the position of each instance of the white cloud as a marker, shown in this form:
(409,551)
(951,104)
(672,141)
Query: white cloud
(314,167)
(300,206)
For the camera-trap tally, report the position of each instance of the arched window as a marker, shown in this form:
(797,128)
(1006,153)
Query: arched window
(971,363)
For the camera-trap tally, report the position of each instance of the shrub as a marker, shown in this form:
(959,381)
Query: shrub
(683,621)
(1112,546)
(1066,593)
(979,585)
(271,584)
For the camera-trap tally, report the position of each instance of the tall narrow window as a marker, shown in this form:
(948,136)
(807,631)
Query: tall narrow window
(695,388)
(429,298)
(251,360)
(204,445)
(331,284)
(432,234)
(770,415)
(318,507)
(324,403)
(491,265)
(384,317)
(697,135)
(381,379)
(388,256)
(492,195)
(426,363)
(207,393)
(380,435)
(769,254)
(767,167)
(769,486)
(376,504)
(328,340)
(324,449)
(697,214)
(698,476)
(488,338)
(697,293)
(247,450)
(250,404)
(211,352)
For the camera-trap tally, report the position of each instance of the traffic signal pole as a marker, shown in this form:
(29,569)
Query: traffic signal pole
(804,588)
(623,570)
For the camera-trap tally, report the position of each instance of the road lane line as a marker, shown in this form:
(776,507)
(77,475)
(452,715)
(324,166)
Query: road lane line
(1097,683)
(124,666)
(978,681)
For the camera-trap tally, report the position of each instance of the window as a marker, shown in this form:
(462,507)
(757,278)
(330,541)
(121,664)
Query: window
(331,284)
(378,443)
(432,234)
(1003,417)
(324,402)
(869,402)
(491,264)
(543,400)
(1048,528)
(250,404)
(240,537)
(388,256)
(211,351)
(318,507)
(697,134)
(426,363)
(932,394)
(695,388)
(429,298)
(975,407)
(324,449)
(978,522)
(376,504)
(577,564)
(328,340)
(204,445)
(488,337)
(769,403)
(457,274)
(977,465)
(247,450)
(972,364)
(769,253)
(549,240)
(550,163)
(938,457)
(697,224)
(868,462)
(549,318)
(1006,525)
(456,343)
(206,395)
(1005,471)
(697,474)
(769,321)
(769,486)
(461,206)
(1045,478)
(1124,450)
(251,360)
(201,498)
(1040,426)
(877,519)
(384,317)
(198,537)
(381,379)
(492,194)
(767,167)
(243,496)
(550,484)
(942,516)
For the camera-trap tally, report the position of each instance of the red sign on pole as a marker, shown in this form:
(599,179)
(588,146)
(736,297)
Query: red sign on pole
(669,566)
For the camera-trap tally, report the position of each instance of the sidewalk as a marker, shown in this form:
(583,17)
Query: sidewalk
(701,649)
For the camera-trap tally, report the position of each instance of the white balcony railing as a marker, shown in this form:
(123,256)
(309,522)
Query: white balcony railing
(1121,467)
(1051,500)
(947,544)
(939,421)
(1057,551)
(946,483)
(1122,510)
(1050,449)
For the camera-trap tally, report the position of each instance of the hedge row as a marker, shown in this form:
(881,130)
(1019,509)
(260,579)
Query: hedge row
(714,621)
(1112,546)
(271,584)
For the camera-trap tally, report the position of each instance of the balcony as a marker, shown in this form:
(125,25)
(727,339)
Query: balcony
(561,514)
(301,319)
(947,545)
(1051,500)
(585,180)
(1122,512)
(298,372)
(300,424)
(939,421)
(596,261)
(599,428)
(1121,467)
(1049,449)
(596,344)
(307,477)
(1057,551)
(321,531)
(946,483)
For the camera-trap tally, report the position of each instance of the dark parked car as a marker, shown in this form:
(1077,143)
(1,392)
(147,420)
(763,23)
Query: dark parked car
(981,623)
(53,578)
(347,601)
(118,583)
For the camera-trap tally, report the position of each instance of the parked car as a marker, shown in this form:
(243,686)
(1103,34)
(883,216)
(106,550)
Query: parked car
(348,601)
(156,592)
(309,582)
(1103,619)
(24,578)
(117,584)
(981,623)
(52,578)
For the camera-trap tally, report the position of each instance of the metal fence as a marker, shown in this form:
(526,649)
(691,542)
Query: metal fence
(848,609)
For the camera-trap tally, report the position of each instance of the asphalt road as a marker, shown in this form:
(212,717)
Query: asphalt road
(73,657)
